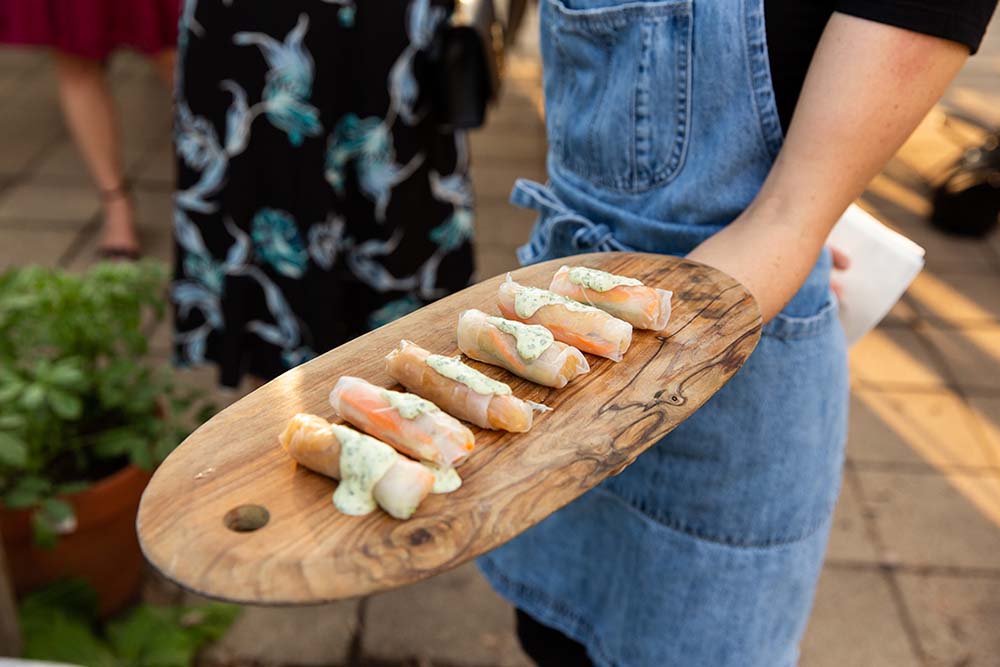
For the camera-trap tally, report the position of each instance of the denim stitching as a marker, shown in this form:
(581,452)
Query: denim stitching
(784,327)
(640,144)
(603,23)
(760,79)
(552,105)
(679,152)
(617,16)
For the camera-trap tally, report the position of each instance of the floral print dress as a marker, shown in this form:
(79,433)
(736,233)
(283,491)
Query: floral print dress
(315,198)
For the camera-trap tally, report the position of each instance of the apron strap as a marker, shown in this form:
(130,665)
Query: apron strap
(586,235)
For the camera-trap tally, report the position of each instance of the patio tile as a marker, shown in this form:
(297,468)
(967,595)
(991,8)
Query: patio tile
(155,210)
(894,357)
(950,254)
(63,163)
(929,147)
(128,64)
(27,130)
(957,299)
(160,339)
(855,624)
(39,87)
(931,430)
(9,80)
(986,410)
(453,619)
(909,195)
(509,147)
(205,379)
(902,314)
(157,167)
(849,538)
(972,354)
(21,247)
(72,206)
(318,636)
(494,180)
(154,222)
(493,261)
(956,618)
(517,112)
(936,520)
(17,58)
(145,114)
(503,224)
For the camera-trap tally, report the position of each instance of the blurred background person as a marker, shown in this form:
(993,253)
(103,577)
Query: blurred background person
(317,197)
(82,35)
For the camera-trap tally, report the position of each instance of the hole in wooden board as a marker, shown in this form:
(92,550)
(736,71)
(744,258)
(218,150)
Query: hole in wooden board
(246,518)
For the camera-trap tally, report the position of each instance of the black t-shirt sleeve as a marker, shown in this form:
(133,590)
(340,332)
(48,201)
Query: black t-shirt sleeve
(962,21)
(794,28)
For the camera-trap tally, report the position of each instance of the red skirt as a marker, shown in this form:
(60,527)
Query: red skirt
(91,28)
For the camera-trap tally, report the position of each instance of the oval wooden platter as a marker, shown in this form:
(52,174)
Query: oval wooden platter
(307,552)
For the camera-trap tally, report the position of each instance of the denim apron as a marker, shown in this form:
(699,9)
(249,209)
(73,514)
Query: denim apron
(705,552)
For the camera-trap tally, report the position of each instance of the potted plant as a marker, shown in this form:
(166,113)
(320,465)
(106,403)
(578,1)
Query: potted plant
(84,417)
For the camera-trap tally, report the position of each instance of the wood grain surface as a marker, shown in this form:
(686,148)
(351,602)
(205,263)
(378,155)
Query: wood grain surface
(308,552)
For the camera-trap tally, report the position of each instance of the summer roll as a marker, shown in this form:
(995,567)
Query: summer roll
(413,425)
(626,298)
(587,328)
(459,389)
(371,473)
(527,350)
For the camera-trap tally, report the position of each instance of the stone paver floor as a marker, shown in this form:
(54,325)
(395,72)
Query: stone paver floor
(912,575)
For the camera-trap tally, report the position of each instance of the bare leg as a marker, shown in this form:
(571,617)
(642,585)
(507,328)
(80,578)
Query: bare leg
(90,114)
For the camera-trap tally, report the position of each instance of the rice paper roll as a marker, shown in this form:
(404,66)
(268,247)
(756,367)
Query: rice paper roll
(371,473)
(459,389)
(527,350)
(626,298)
(587,328)
(413,425)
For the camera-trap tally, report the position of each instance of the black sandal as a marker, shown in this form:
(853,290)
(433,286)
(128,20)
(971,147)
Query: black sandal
(121,253)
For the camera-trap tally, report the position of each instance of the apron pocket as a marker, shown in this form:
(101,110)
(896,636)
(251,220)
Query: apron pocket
(786,327)
(620,106)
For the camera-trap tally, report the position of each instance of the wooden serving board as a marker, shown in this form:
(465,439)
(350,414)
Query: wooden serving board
(307,552)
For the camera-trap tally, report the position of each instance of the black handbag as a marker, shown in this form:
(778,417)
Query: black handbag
(967,201)
(465,64)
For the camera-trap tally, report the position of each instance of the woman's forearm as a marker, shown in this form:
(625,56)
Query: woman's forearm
(868,87)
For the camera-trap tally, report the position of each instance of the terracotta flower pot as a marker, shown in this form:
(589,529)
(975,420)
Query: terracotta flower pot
(103,550)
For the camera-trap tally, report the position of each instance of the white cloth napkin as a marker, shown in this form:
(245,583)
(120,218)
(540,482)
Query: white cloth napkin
(883,264)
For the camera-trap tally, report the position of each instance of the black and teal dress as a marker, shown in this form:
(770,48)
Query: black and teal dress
(316,199)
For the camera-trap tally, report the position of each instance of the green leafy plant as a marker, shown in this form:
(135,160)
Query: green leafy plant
(59,624)
(78,398)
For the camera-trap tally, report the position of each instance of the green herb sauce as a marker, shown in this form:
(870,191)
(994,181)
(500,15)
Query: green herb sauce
(363,462)
(599,281)
(452,367)
(446,480)
(527,301)
(532,339)
(409,406)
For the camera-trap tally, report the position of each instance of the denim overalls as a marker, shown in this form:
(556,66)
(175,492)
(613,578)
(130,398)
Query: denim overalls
(705,552)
